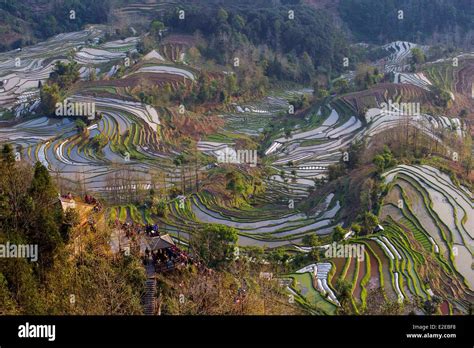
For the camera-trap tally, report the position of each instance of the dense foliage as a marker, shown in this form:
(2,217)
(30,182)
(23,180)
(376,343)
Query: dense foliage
(47,18)
(380,20)
(294,40)
(67,267)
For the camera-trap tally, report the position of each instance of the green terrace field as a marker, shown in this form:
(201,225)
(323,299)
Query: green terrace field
(149,161)
(268,225)
(424,249)
(305,293)
(442,75)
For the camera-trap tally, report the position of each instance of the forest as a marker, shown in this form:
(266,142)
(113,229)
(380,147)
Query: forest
(42,19)
(380,21)
(297,35)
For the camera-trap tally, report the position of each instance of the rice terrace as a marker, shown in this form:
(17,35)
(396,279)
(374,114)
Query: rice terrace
(237,157)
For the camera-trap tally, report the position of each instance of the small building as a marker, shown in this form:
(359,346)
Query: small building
(161,242)
(67,203)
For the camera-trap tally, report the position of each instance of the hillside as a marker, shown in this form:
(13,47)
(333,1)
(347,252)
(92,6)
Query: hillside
(238,157)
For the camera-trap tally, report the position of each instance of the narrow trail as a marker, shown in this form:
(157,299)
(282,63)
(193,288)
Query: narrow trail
(150,291)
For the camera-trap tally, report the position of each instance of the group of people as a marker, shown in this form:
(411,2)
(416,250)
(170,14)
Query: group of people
(88,199)
(134,229)
(167,258)
(68,196)
(152,230)
(131,229)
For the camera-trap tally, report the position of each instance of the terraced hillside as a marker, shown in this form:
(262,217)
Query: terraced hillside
(22,71)
(157,133)
(132,128)
(425,249)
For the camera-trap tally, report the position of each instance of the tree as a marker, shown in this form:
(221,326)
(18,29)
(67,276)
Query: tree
(354,154)
(238,22)
(385,160)
(338,233)
(231,84)
(71,220)
(370,222)
(222,15)
(65,74)
(366,76)
(335,171)
(341,86)
(8,156)
(49,96)
(463,113)
(92,74)
(321,94)
(256,253)
(418,56)
(46,215)
(307,67)
(180,161)
(215,244)
(279,256)
(156,27)
(442,97)
(356,228)
(315,255)
(193,55)
(100,141)
(80,125)
(315,87)
(311,240)
(6,299)
(344,295)
(379,161)
(160,208)
(235,183)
